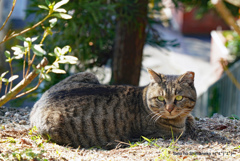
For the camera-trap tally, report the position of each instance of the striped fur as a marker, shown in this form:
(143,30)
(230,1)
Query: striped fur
(80,112)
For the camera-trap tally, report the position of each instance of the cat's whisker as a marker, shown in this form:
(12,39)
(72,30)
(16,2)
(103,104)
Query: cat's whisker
(155,115)
(157,118)
(150,114)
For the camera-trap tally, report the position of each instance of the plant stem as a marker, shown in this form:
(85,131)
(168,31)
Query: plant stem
(30,61)
(0,85)
(9,15)
(21,85)
(34,55)
(44,36)
(29,91)
(26,30)
(10,64)
(6,87)
(226,14)
(229,74)
(24,64)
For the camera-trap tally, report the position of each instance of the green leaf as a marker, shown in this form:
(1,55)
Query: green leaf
(47,2)
(10,59)
(21,38)
(28,39)
(46,77)
(38,50)
(53,22)
(48,30)
(68,59)
(35,69)
(55,65)
(47,67)
(18,57)
(4,79)
(59,71)
(234,117)
(18,48)
(19,51)
(148,140)
(58,51)
(62,10)
(34,38)
(3,74)
(63,61)
(59,4)
(12,78)
(51,54)
(7,54)
(66,49)
(11,140)
(62,15)
(43,7)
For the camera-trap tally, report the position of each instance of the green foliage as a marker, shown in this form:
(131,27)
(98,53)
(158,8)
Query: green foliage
(234,117)
(91,31)
(165,153)
(11,140)
(33,47)
(151,141)
(232,43)
(27,154)
(37,138)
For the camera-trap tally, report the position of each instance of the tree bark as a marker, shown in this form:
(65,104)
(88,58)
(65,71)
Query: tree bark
(129,42)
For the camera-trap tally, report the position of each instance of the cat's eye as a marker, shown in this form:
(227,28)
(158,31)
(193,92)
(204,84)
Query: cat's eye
(161,98)
(179,98)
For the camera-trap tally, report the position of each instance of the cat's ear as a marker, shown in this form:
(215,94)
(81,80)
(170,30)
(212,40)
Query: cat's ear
(154,77)
(188,77)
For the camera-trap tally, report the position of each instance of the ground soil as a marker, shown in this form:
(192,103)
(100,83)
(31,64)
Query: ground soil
(217,138)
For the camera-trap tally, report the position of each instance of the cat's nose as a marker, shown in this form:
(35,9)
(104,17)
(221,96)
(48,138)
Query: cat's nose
(169,108)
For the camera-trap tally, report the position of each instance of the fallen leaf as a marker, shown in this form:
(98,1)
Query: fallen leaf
(220,127)
(24,141)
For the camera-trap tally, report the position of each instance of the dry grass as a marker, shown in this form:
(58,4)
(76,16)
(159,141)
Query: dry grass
(218,139)
(20,145)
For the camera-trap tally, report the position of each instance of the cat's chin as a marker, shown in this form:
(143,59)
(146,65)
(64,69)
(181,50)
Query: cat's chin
(172,116)
(168,116)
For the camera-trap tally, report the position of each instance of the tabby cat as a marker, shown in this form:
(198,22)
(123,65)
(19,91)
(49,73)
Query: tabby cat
(81,112)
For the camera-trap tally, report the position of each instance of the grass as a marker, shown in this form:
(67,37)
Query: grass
(28,145)
(165,153)
(33,147)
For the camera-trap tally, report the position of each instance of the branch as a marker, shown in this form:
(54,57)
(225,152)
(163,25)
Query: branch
(9,15)
(24,31)
(234,2)
(226,14)
(29,91)
(229,74)
(24,83)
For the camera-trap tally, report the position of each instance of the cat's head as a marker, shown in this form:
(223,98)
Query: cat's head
(170,96)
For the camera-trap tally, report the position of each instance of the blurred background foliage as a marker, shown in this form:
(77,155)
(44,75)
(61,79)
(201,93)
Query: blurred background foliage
(91,31)
(203,6)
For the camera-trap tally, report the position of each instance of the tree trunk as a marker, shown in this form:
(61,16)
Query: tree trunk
(129,42)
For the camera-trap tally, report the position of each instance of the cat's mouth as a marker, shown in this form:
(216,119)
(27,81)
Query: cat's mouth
(171,115)
(175,113)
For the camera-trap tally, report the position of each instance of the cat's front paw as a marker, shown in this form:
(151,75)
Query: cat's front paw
(190,131)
